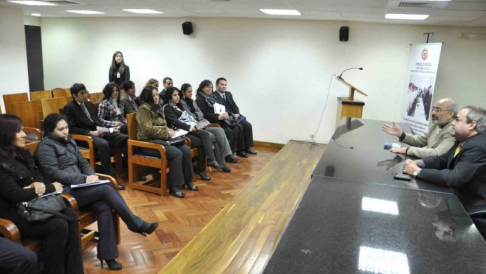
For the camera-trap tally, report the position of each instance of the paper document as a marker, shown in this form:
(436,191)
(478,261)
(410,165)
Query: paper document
(104,129)
(179,132)
(218,108)
(100,182)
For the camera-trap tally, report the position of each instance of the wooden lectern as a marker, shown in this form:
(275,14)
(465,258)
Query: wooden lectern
(347,106)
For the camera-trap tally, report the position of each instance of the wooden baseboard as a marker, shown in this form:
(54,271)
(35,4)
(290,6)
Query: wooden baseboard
(268,144)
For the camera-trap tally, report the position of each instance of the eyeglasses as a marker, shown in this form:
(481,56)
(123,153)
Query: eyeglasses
(438,110)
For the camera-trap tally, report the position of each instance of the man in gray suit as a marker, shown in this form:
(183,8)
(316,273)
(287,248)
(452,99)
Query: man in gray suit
(438,139)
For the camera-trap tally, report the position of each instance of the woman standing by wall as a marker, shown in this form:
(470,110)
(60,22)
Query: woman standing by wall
(119,72)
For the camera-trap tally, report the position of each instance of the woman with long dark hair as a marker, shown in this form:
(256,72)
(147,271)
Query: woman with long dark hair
(119,72)
(199,138)
(222,148)
(111,110)
(152,127)
(205,99)
(21,181)
(60,160)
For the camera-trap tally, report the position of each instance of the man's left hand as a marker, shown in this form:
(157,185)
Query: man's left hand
(410,167)
(399,150)
(236,115)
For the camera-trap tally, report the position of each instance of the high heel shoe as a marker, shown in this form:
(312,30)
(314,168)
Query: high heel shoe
(191,186)
(176,192)
(112,264)
(147,228)
(203,175)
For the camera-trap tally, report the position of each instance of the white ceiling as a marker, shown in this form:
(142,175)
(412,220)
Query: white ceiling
(471,13)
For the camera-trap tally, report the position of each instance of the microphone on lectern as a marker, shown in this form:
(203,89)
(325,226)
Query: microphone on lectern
(346,70)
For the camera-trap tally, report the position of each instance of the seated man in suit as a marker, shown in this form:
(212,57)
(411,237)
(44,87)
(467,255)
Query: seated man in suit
(167,83)
(438,139)
(83,119)
(463,166)
(226,98)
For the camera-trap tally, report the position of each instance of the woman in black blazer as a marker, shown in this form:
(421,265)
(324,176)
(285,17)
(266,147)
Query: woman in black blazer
(200,138)
(119,72)
(20,181)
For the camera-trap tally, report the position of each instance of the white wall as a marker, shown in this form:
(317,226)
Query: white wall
(278,70)
(13,55)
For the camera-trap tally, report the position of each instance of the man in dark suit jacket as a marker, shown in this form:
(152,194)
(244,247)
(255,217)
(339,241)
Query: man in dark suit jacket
(167,83)
(82,119)
(464,166)
(226,98)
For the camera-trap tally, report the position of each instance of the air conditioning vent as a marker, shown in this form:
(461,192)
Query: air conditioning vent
(415,5)
(62,2)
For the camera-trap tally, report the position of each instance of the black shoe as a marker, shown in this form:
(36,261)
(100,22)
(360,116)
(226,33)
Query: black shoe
(203,175)
(176,192)
(191,186)
(147,228)
(242,154)
(214,164)
(226,169)
(121,187)
(232,159)
(112,264)
(250,151)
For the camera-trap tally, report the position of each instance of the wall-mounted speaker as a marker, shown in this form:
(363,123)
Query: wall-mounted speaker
(344,34)
(187,28)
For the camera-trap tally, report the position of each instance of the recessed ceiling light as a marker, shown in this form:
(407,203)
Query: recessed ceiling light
(143,11)
(280,12)
(33,3)
(36,14)
(86,11)
(407,16)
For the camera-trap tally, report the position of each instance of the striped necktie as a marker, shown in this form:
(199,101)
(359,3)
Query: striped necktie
(86,112)
(458,149)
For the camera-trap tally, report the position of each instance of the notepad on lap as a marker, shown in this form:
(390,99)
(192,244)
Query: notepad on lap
(100,182)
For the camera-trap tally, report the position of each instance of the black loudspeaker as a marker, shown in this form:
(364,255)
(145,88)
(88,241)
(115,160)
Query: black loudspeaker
(187,28)
(344,34)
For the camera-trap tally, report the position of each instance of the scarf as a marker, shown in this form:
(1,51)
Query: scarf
(210,99)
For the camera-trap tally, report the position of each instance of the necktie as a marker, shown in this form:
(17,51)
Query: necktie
(224,97)
(458,149)
(86,111)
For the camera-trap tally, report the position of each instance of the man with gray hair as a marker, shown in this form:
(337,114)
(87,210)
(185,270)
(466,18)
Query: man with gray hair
(463,167)
(438,139)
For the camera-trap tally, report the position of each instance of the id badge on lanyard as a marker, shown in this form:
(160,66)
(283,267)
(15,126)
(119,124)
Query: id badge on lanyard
(118,75)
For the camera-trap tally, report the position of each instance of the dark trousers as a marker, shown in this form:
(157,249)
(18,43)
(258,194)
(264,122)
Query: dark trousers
(15,258)
(235,137)
(247,134)
(60,252)
(103,199)
(180,162)
(202,141)
(103,146)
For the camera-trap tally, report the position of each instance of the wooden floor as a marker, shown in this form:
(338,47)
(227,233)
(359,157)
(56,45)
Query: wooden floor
(277,189)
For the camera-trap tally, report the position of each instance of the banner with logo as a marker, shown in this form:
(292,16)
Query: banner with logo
(419,94)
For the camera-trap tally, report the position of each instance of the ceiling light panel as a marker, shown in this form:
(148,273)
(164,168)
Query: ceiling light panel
(280,12)
(406,16)
(143,11)
(85,12)
(32,3)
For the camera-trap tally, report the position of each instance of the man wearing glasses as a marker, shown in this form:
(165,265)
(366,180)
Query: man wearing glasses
(438,139)
(463,167)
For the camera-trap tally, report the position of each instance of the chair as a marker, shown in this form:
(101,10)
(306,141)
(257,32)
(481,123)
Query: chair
(39,95)
(28,111)
(33,134)
(137,160)
(62,92)
(53,105)
(12,98)
(96,98)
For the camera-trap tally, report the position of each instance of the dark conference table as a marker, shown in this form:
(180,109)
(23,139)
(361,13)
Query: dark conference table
(356,218)
(355,152)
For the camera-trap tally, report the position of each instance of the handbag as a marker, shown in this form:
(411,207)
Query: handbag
(187,118)
(43,208)
(232,121)
(203,123)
